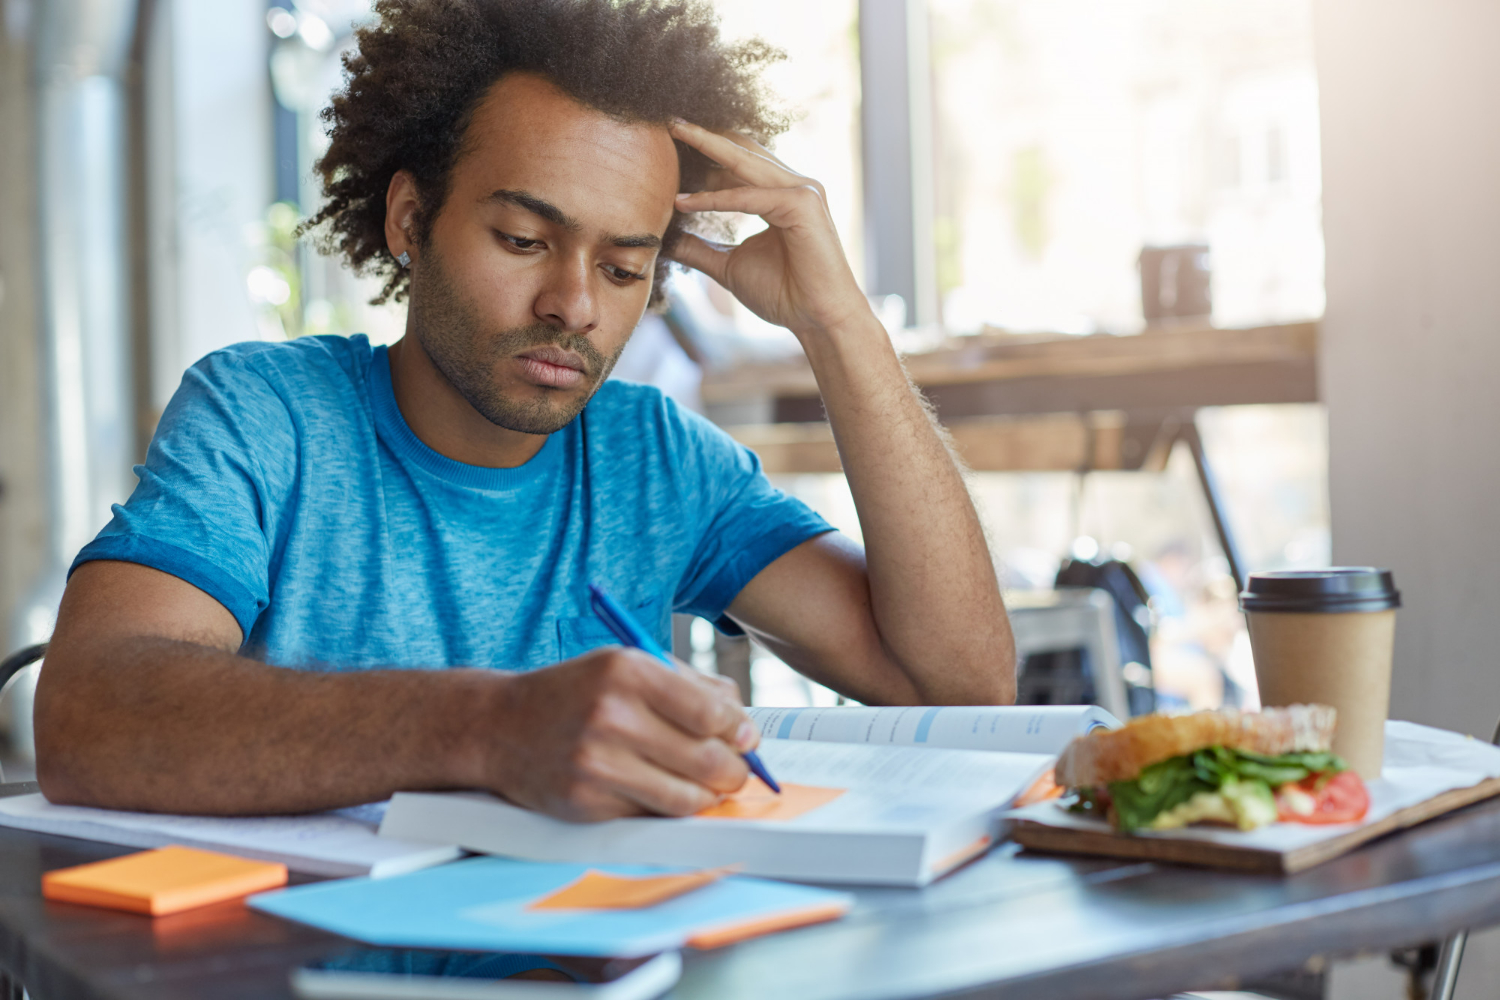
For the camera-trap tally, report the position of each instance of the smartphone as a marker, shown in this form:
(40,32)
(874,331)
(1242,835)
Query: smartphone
(400,973)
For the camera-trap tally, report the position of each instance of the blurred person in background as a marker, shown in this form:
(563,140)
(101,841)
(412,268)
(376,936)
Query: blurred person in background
(318,520)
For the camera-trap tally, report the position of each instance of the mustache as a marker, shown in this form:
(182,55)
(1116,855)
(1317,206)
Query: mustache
(525,338)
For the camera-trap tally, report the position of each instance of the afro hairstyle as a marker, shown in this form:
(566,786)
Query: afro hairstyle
(423,66)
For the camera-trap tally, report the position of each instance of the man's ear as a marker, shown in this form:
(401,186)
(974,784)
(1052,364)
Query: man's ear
(401,207)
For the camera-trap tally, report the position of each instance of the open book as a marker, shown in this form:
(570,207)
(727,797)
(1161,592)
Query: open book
(894,796)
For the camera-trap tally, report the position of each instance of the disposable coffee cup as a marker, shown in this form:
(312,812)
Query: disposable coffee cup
(1325,637)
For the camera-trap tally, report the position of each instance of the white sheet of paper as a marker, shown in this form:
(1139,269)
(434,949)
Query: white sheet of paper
(339,843)
(1420,763)
(1010,728)
(856,768)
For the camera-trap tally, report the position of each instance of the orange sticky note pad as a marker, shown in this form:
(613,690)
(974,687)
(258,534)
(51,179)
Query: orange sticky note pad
(756,801)
(165,880)
(596,890)
(1044,788)
(717,937)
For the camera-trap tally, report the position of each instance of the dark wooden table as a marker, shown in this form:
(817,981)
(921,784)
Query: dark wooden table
(1008,925)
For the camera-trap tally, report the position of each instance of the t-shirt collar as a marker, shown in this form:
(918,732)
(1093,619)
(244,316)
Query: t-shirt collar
(398,435)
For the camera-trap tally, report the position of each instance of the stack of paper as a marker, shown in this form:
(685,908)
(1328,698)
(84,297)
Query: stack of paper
(332,844)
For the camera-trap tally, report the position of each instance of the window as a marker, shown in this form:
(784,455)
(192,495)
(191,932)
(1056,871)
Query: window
(1068,135)
(320,294)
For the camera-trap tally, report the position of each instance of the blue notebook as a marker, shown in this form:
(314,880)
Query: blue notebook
(482,904)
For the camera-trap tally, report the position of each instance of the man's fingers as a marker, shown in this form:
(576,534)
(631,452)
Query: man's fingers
(746,142)
(783,176)
(781,207)
(719,179)
(702,255)
(659,792)
(750,165)
(707,762)
(698,707)
(756,148)
(625,778)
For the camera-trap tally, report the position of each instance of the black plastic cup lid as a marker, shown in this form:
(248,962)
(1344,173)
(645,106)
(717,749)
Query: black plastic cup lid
(1340,588)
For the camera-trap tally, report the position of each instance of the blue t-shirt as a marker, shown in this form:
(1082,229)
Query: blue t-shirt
(284,482)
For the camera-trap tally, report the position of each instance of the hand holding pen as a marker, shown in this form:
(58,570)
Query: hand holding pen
(630,633)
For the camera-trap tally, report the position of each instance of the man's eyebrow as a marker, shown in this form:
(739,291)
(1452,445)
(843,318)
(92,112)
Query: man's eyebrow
(643,240)
(539,206)
(555,215)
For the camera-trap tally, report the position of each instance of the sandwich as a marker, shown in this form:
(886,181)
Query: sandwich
(1240,769)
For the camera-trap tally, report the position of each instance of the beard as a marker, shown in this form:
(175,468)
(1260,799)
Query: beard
(450,331)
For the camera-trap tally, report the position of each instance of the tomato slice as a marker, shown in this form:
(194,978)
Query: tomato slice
(1336,798)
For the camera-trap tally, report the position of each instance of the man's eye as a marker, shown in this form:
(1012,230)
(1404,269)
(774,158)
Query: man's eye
(520,242)
(620,274)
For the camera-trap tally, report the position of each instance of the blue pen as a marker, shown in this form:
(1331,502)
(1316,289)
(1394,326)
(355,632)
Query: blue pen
(631,634)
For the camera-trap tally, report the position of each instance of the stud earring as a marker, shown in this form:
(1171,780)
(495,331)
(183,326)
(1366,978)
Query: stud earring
(404,259)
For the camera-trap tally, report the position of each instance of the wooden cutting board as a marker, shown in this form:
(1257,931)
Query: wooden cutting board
(1063,840)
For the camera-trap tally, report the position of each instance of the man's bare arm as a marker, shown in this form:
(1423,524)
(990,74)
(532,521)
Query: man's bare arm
(813,609)
(143,704)
(918,617)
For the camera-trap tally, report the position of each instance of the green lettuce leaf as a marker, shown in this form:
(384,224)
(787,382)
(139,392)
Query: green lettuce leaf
(1169,783)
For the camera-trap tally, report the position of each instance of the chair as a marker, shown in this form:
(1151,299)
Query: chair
(13,665)
(10,989)
(1052,621)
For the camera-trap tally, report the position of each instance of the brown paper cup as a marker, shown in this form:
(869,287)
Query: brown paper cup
(1325,637)
(1343,660)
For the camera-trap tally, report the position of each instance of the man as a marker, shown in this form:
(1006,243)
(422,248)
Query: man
(352,513)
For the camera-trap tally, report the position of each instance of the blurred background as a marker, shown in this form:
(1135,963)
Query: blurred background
(1201,288)
(996,169)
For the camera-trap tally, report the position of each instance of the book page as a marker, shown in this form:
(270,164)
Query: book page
(1013,728)
(992,776)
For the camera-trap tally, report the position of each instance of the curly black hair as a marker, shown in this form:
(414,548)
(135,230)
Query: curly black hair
(423,66)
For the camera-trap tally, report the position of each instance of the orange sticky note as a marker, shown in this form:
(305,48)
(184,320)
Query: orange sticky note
(596,890)
(165,880)
(1044,788)
(717,937)
(756,801)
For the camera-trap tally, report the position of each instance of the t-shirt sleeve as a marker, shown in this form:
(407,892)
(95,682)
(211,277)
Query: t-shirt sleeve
(205,506)
(744,522)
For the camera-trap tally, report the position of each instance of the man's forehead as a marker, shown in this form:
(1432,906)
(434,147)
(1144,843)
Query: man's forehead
(528,136)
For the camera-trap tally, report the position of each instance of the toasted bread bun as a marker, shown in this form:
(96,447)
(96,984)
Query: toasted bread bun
(1107,755)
